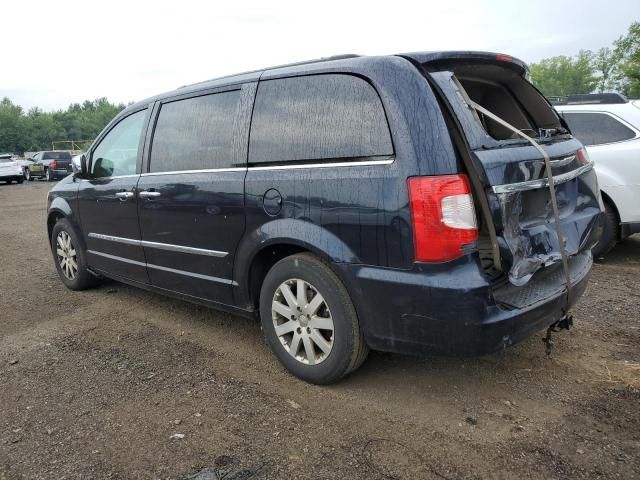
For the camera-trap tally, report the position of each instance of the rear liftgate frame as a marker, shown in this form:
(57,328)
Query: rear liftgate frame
(567,320)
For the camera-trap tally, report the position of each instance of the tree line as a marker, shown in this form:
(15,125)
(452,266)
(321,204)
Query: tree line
(615,68)
(610,69)
(34,130)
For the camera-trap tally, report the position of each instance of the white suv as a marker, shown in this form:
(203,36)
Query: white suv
(609,126)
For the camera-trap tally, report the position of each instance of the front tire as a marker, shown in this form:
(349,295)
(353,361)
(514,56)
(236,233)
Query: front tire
(69,257)
(610,232)
(309,320)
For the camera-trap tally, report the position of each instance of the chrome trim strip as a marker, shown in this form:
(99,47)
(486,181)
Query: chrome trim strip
(182,249)
(109,178)
(561,162)
(192,274)
(165,269)
(204,170)
(111,238)
(114,257)
(160,246)
(324,165)
(543,182)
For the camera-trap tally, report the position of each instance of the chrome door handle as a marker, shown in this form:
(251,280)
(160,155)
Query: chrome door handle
(124,195)
(148,194)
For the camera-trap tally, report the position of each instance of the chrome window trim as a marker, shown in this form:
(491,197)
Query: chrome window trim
(160,246)
(110,178)
(165,269)
(323,165)
(204,170)
(543,182)
(273,167)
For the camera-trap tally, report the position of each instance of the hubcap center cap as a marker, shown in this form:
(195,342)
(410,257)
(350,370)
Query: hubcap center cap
(304,320)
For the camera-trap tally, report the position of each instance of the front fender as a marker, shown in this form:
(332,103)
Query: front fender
(62,201)
(292,232)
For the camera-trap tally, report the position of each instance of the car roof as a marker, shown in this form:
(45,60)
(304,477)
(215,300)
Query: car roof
(347,60)
(629,111)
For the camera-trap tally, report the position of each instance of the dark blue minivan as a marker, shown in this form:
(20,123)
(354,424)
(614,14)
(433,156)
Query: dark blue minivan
(350,203)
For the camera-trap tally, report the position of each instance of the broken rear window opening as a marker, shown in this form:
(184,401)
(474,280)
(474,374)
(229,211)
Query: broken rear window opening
(511,97)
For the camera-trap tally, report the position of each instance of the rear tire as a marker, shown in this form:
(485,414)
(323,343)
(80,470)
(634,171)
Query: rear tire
(20,180)
(322,341)
(610,232)
(69,257)
(27,175)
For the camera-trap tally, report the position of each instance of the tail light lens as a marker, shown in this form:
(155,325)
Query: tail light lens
(583,156)
(53,164)
(443,217)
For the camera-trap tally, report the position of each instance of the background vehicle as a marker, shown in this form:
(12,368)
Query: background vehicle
(50,165)
(10,171)
(349,203)
(609,126)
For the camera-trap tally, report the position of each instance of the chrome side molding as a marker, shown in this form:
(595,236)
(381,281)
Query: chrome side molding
(160,246)
(164,269)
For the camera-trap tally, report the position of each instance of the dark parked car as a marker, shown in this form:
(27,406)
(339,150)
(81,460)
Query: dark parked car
(349,203)
(49,165)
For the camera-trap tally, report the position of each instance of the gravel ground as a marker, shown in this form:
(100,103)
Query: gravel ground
(117,382)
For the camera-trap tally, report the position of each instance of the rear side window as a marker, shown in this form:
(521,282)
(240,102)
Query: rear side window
(195,133)
(317,117)
(593,128)
(57,156)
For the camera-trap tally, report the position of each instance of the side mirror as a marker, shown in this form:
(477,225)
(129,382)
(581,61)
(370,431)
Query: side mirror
(79,165)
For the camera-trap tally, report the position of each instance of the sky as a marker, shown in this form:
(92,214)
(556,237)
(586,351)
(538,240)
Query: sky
(53,53)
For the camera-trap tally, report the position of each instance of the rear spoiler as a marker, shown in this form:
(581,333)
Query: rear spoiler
(436,60)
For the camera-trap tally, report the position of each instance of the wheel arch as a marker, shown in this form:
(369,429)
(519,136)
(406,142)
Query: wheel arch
(606,198)
(262,249)
(58,210)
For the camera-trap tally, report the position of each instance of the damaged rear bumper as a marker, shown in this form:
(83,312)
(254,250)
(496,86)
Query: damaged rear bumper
(454,311)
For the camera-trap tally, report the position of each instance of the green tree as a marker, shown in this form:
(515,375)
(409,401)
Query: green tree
(606,62)
(11,128)
(562,75)
(36,130)
(628,48)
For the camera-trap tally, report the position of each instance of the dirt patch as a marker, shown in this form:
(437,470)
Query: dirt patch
(121,383)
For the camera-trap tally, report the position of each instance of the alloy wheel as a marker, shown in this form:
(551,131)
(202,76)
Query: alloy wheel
(302,321)
(66,254)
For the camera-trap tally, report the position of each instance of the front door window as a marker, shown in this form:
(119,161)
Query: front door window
(117,153)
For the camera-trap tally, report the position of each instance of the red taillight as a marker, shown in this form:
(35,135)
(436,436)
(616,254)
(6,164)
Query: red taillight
(53,164)
(583,156)
(443,217)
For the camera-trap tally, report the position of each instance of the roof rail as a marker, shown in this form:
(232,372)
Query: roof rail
(295,64)
(588,99)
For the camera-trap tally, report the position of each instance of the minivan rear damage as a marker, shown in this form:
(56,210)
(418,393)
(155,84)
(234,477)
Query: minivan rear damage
(509,128)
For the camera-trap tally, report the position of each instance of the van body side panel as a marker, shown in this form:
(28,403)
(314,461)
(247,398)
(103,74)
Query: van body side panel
(354,213)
